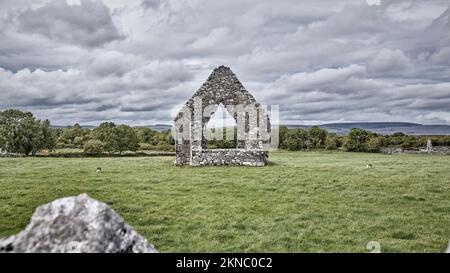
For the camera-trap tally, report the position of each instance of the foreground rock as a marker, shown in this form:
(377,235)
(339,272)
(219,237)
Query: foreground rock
(76,224)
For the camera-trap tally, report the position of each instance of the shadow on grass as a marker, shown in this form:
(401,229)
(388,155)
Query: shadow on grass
(271,163)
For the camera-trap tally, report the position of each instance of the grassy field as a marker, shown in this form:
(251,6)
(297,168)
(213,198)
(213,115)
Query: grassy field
(301,202)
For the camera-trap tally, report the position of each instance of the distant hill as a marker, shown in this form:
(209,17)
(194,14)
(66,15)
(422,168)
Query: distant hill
(82,126)
(384,128)
(156,127)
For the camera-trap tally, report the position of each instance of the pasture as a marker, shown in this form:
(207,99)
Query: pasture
(301,202)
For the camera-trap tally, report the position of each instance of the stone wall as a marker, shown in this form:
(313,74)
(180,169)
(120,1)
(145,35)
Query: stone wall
(6,154)
(391,150)
(229,157)
(436,150)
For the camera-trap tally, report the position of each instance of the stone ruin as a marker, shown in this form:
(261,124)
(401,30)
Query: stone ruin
(253,124)
(431,150)
(77,224)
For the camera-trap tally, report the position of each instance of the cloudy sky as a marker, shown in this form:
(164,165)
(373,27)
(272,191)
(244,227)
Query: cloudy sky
(131,62)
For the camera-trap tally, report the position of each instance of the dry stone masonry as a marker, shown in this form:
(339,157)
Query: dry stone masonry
(253,124)
(7,154)
(76,224)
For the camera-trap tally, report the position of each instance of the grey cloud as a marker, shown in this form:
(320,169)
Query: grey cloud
(441,56)
(158,84)
(348,93)
(389,62)
(321,61)
(104,107)
(88,24)
(105,63)
(153,4)
(145,107)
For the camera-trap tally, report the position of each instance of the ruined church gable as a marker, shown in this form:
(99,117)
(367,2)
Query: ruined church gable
(221,87)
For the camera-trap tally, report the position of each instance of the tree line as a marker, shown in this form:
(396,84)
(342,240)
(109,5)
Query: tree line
(21,132)
(357,140)
(111,138)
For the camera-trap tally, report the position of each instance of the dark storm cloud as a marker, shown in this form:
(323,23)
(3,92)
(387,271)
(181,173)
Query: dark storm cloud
(132,62)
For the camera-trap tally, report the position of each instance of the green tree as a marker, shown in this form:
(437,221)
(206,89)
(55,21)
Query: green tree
(282,133)
(125,139)
(409,142)
(116,138)
(332,141)
(397,139)
(296,139)
(48,136)
(374,143)
(78,141)
(73,136)
(356,140)
(105,133)
(317,136)
(21,132)
(145,135)
(94,146)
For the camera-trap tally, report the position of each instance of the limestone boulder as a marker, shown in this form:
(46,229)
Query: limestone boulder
(76,224)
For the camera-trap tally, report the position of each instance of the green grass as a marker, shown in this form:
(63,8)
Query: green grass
(301,202)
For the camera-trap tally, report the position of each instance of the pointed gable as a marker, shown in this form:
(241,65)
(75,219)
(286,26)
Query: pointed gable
(222,86)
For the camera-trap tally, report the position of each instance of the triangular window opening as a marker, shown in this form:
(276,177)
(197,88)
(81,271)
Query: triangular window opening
(222,128)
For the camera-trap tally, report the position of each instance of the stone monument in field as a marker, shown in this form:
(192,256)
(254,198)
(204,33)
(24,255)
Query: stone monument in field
(429,146)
